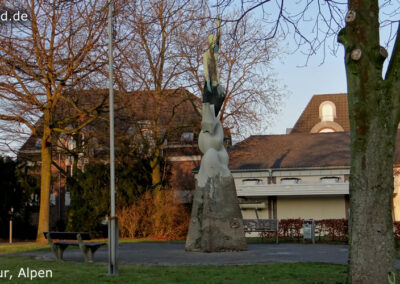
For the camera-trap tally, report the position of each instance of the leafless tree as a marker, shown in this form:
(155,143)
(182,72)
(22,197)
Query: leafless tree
(167,40)
(253,93)
(59,48)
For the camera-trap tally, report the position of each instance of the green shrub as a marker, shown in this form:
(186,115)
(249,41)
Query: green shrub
(90,192)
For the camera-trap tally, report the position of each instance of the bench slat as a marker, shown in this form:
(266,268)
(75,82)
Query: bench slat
(66,235)
(93,244)
(66,243)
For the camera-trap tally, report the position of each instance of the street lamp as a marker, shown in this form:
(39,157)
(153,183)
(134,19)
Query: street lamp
(112,220)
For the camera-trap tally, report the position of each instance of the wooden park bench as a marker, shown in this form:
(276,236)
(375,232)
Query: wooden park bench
(65,239)
(262,226)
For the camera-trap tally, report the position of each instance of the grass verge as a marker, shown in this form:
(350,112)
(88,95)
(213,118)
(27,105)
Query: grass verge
(22,247)
(68,272)
(6,248)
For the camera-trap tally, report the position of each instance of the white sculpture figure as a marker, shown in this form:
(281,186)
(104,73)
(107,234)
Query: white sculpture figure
(211,139)
(211,143)
(213,92)
(216,221)
(210,59)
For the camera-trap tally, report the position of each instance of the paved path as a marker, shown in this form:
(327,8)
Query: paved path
(174,254)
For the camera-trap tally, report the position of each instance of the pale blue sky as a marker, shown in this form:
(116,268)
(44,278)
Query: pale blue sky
(323,74)
(304,82)
(319,76)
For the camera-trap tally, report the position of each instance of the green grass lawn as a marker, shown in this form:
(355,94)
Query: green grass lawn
(68,272)
(6,248)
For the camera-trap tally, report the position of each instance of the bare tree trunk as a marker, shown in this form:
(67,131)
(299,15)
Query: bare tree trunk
(371,196)
(156,169)
(45,185)
(63,44)
(373,125)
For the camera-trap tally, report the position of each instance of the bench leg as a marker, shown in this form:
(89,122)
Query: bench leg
(84,251)
(91,252)
(58,251)
(88,253)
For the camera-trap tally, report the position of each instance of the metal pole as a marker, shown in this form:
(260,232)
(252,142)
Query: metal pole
(11,221)
(59,187)
(113,238)
(10,239)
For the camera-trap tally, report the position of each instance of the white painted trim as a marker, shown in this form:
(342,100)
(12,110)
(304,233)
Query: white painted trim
(292,190)
(291,172)
(327,124)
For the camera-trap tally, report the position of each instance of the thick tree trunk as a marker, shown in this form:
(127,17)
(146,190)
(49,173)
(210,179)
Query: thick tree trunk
(373,128)
(155,163)
(45,184)
(371,198)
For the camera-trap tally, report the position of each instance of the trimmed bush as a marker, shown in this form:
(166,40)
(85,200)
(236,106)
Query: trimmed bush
(156,215)
(333,229)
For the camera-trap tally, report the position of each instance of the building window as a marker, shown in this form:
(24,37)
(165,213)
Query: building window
(290,180)
(330,180)
(145,127)
(252,181)
(327,111)
(34,200)
(52,199)
(67,198)
(326,130)
(38,143)
(30,164)
(187,137)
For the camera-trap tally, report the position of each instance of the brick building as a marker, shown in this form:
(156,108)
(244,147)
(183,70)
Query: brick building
(178,115)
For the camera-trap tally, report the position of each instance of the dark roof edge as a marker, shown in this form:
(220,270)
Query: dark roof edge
(292,169)
(284,169)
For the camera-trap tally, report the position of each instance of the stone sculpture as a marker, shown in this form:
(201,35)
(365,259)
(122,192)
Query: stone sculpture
(216,222)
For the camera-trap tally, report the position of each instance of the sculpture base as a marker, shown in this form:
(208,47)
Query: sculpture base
(216,223)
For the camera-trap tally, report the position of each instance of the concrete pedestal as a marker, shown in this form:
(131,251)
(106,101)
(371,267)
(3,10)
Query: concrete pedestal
(216,223)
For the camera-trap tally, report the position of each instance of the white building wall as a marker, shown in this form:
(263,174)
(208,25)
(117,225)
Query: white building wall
(311,207)
(251,214)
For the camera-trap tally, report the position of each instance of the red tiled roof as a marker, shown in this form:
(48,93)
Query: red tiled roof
(299,150)
(310,116)
(291,151)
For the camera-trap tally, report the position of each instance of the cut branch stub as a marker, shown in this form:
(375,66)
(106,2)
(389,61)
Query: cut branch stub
(383,52)
(350,16)
(356,54)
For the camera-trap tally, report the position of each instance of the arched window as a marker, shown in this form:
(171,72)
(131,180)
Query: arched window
(327,111)
(325,130)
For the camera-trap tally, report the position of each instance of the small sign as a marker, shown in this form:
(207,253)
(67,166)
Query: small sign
(309,230)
